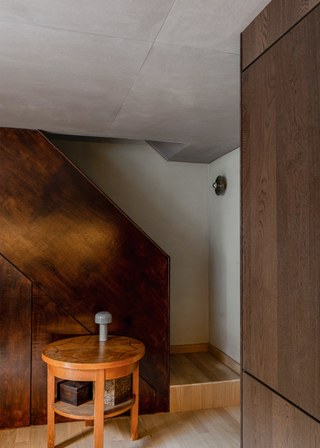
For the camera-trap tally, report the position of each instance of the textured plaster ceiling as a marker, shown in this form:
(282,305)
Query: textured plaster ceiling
(157,70)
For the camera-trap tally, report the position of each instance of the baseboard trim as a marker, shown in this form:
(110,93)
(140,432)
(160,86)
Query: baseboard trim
(191,348)
(234,365)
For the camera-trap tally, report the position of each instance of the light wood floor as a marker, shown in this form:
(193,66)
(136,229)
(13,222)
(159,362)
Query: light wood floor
(207,428)
(196,368)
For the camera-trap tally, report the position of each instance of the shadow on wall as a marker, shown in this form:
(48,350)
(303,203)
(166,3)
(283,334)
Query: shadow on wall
(169,202)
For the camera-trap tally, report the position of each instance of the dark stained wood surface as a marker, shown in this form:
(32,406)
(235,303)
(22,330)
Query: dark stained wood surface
(78,247)
(147,397)
(269,421)
(49,323)
(15,346)
(281,216)
(272,23)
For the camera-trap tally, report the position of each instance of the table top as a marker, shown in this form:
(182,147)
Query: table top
(87,352)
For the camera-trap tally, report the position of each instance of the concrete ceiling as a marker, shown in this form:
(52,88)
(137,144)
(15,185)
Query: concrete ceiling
(156,70)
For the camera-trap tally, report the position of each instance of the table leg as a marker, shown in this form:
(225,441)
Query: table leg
(50,411)
(134,412)
(99,409)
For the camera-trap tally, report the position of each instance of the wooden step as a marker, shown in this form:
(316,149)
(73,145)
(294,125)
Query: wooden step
(201,381)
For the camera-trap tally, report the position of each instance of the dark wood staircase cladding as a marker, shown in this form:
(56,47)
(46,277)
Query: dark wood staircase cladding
(83,254)
(15,346)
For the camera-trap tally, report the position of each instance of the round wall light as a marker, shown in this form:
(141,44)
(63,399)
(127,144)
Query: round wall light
(220,185)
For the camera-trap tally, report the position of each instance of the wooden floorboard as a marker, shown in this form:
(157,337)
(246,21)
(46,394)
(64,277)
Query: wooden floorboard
(194,368)
(216,428)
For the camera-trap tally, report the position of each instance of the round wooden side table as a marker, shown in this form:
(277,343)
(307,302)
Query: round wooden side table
(85,358)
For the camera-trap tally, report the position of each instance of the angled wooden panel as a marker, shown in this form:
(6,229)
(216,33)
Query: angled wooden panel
(49,323)
(147,398)
(281,216)
(15,346)
(271,421)
(270,25)
(78,247)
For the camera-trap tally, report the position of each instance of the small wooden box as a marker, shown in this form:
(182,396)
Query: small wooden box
(75,392)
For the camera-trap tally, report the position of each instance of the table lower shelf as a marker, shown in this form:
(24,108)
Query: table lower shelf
(86,410)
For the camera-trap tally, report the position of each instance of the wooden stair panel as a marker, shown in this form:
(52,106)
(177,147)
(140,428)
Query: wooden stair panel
(72,242)
(49,323)
(15,347)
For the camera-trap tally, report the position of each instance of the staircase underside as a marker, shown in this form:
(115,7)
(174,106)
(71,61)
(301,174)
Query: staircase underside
(68,252)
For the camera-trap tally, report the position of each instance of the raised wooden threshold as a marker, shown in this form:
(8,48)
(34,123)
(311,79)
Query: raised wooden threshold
(198,380)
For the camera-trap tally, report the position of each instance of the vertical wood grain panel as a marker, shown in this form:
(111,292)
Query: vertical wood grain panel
(270,421)
(15,346)
(272,23)
(281,216)
(298,180)
(259,194)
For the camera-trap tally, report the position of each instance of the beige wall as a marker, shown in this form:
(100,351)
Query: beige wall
(224,257)
(169,202)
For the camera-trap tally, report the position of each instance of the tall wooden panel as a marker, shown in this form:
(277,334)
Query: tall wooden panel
(281,216)
(15,346)
(73,243)
(271,24)
(272,422)
(281,230)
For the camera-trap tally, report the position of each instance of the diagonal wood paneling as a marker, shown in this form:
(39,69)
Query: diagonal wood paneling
(78,247)
(49,323)
(15,346)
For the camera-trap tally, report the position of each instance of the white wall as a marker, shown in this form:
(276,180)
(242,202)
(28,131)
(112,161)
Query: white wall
(169,202)
(224,257)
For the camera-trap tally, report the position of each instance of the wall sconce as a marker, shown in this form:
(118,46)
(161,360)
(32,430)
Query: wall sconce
(220,185)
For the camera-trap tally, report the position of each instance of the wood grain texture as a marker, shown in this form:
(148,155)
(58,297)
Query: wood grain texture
(15,347)
(86,410)
(194,368)
(191,397)
(147,398)
(134,412)
(86,354)
(231,363)
(49,323)
(50,410)
(89,353)
(78,247)
(281,215)
(194,429)
(190,348)
(270,25)
(271,421)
